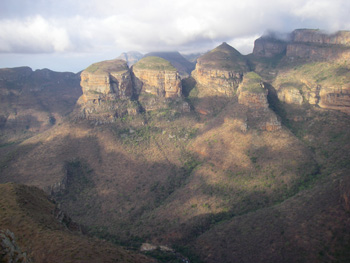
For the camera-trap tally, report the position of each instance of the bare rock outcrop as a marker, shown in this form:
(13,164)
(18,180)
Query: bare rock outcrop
(10,252)
(107,91)
(253,94)
(156,76)
(220,71)
(267,46)
(317,45)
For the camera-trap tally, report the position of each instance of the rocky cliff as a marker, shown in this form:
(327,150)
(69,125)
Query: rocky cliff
(107,91)
(317,45)
(269,47)
(220,71)
(253,94)
(325,84)
(158,77)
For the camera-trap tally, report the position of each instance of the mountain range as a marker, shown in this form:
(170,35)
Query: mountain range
(155,158)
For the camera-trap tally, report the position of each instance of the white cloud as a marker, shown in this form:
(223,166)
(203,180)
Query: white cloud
(33,35)
(104,26)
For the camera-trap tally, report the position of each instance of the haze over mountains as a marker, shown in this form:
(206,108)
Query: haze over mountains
(225,158)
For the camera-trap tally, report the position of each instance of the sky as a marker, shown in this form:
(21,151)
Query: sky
(69,35)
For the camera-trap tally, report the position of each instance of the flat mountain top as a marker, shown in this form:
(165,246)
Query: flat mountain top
(115,65)
(154,63)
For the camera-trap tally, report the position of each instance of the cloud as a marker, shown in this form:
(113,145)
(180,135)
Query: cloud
(33,35)
(104,26)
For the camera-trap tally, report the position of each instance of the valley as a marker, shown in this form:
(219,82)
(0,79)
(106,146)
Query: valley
(232,159)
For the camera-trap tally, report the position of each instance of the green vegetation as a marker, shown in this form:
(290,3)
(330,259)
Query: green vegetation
(154,63)
(107,66)
(224,57)
(252,82)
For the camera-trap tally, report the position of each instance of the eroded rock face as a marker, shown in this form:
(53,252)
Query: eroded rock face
(290,95)
(317,45)
(220,71)
(158,77)
(9,250)
(269,47)
(319,37)
(107,91)
(253,94)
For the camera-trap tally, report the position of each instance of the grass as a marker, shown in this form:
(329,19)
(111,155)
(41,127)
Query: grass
(107,66)
(154,63)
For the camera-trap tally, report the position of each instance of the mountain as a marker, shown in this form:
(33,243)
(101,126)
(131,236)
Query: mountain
(130,57)
(34,223)
(183,66)
(245,160)
(33,101)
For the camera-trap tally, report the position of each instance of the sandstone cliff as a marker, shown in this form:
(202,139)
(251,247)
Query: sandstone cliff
(220,71)
(269,47)
(158,77)
(107,91)
(317,45)
(325,84)
(253,94)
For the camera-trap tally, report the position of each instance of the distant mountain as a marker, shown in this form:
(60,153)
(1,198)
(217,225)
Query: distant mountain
(184,66)
(131,57)
(192,57)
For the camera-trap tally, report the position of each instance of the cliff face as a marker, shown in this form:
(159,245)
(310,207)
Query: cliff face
(253,94)
(112,90)
(316,45)
(158,77)
(220,71)
(107,90)
(319,37)
(326,84)
(269,47)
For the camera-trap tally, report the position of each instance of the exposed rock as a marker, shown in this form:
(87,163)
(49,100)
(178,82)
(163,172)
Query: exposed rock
(290,95)
(156,76)
(107,91)
(316,45)
(10,252)
(325,84)
(320,37)
(269,47)
(253,94)
(220,71)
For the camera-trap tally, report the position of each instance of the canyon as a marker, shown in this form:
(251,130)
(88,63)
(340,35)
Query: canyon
(240,158)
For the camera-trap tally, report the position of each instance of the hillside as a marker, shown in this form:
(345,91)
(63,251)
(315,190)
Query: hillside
(47,235)
(246,160)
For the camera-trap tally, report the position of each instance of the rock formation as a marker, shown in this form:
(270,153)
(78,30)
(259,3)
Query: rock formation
(112,90)
(107,91)
(253,94)
(9,250)
(158,77)
(269,47)
(317,45)
(220,71)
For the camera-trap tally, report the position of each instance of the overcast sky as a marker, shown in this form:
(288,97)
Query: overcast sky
(69,35)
